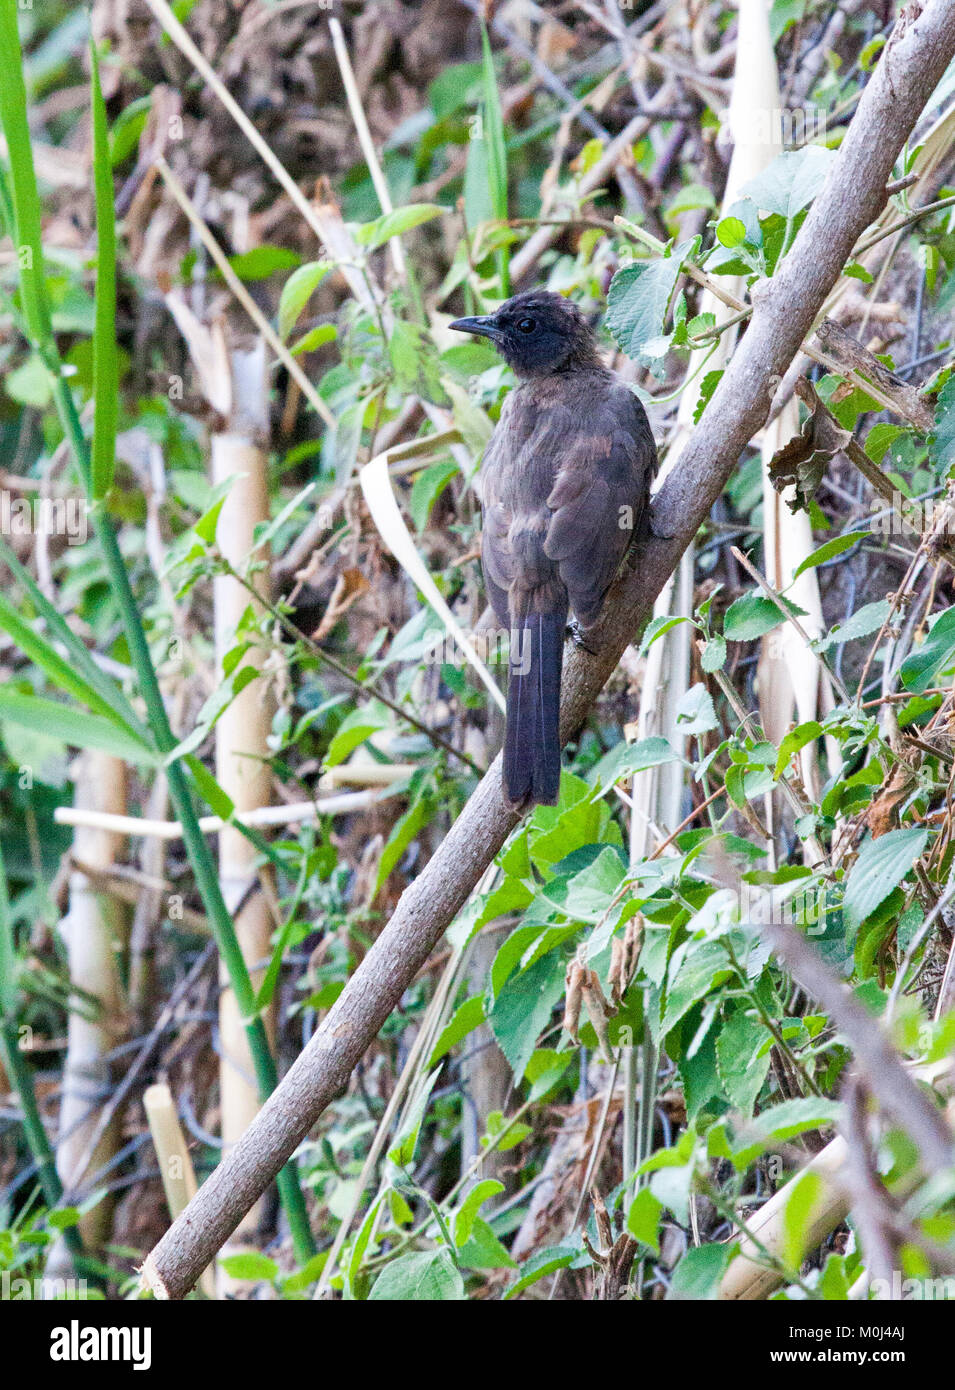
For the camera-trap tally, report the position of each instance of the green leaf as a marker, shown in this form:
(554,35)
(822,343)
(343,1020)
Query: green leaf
(752,615)
(627,758)
(730,232)
(74,727)
(355,728)
(402,1151)
(405,829)
(698,1274)
(493,121)
(43,654)
(127,128)
(30,383)
(62,1218)
(804,1195)
(483,1250)
(795,741)
(545,1069)
(693,976)
(791,1118)
(213,709)
(637,306)
(523,1008)
(880,437)
(264,535)
(415,362)
(943,440)
(539,1266)
(360,1246)
(208,788)
(464,1218)
(375,234)
(830,550)
(867,619)
(251,1264)
(105,369)
(511,1132)
(643,1219)
(423,1277)
(743,1059)
(26,199)
(80,660)
(791,181)
(263,261)
(695,712)
(297,291)
(714,654)
(881,866)
(427,488)
(922,666)
(466,1018)
(315,338)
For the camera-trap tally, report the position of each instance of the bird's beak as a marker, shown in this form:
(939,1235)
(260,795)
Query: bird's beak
(484,327)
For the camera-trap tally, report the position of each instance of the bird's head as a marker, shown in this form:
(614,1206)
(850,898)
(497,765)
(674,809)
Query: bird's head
(537,333)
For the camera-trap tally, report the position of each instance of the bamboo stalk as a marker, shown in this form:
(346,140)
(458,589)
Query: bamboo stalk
(342,805)
(241,733)
(746,1278)
(94,930)
(175,1162)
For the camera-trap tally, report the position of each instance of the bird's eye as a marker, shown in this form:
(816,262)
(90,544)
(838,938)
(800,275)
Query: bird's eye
(526,325)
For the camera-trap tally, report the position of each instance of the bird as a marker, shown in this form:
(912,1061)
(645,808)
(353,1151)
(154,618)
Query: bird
(565,484)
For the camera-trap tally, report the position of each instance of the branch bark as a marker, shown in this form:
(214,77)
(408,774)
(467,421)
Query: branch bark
(911,65)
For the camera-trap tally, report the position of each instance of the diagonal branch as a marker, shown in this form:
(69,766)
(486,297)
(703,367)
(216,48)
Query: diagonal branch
(911,65)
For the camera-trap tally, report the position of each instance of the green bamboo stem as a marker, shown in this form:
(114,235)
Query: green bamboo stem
(26,218)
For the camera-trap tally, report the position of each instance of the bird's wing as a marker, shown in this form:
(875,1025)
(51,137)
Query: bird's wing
(496,559)
(599,496)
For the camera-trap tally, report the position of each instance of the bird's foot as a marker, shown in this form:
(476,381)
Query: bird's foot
(578,635)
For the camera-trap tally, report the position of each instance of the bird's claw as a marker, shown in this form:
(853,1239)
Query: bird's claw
(577,636)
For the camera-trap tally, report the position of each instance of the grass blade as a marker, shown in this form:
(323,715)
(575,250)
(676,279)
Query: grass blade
(84,668)
(26,201)
(38,650)
(496,156)
(105,370)
(73,726)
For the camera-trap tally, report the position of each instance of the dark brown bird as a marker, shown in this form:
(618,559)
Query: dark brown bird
(565,482)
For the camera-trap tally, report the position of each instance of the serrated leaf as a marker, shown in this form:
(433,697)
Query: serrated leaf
(925,663)
(523,1008)
(423,1277)
(637,304)
(882,864)
(830,550)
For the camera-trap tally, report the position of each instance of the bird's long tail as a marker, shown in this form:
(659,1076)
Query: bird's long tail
(532,741)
